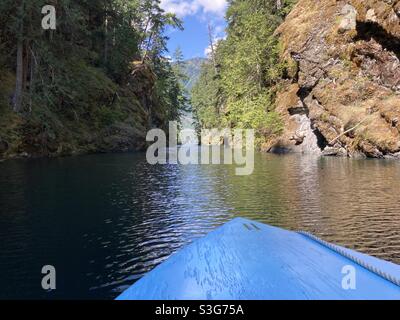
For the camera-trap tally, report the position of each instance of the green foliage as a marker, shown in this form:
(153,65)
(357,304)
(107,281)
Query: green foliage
(170,92)
(250,113)
(249,56)
(107,116)
(205,96)
(287,6)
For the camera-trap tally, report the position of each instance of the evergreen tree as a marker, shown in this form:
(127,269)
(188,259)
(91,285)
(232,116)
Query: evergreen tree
(88,55)
(236,85)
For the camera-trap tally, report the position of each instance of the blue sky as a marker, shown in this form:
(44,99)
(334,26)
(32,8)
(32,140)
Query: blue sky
(195,14)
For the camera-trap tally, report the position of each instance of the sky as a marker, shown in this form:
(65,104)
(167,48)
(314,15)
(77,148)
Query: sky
(195,14)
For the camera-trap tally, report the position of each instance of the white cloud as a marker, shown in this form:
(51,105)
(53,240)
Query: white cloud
(219,31)
(213,6)
(207,51)
(184,8)
(180,8)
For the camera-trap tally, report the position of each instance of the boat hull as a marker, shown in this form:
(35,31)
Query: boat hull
(247,260)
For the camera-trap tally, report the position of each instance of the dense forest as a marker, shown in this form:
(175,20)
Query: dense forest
(237,84)
(97,82)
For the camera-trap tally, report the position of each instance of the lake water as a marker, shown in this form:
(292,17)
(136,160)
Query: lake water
(103,221)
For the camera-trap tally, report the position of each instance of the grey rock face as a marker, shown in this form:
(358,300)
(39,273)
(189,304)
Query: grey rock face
(349,20)
(305,137)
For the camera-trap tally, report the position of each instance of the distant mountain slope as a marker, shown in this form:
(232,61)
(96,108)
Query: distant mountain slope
(192,69)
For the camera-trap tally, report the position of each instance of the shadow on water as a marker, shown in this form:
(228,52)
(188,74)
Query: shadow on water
(105,220)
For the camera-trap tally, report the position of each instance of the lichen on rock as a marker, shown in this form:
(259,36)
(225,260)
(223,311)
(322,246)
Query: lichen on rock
(349,19)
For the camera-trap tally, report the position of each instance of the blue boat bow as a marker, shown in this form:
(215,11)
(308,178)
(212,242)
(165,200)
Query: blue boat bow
(248,260)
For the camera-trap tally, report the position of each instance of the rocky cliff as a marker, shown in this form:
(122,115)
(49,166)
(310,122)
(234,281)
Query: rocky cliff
(341,95)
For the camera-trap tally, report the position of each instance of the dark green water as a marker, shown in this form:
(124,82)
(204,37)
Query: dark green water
(105,220)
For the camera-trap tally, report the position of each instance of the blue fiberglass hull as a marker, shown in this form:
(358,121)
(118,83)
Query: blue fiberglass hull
(246,260)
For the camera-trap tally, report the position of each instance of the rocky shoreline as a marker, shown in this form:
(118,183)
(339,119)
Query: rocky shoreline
(342,92)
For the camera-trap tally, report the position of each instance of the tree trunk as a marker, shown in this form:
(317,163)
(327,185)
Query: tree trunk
(105,32)
(211,39)
(20,73)
(106,40)
(25,66)
(19,77)
(32,78)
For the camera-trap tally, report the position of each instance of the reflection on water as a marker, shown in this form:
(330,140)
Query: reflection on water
(105,220)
